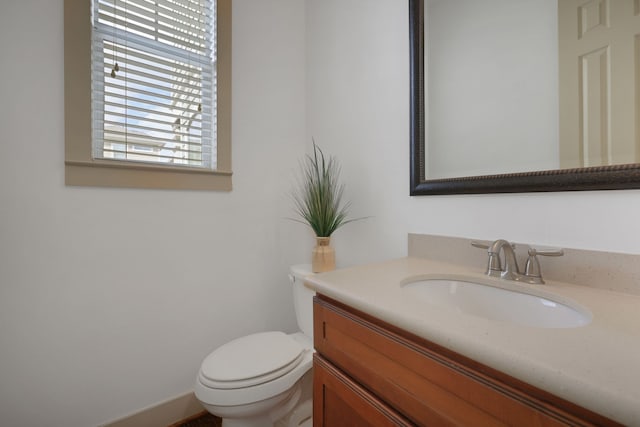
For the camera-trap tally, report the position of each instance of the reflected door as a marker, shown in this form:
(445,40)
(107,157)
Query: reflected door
(598,82)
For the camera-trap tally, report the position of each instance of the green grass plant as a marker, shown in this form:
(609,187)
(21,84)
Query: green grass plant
(318,194)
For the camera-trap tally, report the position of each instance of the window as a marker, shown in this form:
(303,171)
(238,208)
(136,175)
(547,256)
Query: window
(147,87)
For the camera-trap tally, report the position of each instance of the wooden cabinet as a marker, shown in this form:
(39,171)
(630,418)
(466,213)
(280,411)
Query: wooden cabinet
(369,373)
(346,403)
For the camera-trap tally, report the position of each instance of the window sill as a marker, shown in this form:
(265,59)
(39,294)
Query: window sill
(140,175)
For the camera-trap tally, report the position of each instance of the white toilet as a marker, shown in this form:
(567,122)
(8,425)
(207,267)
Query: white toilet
(259,379)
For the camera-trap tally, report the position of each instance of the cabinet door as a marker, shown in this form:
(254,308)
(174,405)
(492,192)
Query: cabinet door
(339,402)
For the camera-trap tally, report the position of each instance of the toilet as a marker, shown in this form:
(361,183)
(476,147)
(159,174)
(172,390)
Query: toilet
(264,379)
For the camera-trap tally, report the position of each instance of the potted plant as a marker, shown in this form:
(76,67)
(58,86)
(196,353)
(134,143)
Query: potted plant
(318,202)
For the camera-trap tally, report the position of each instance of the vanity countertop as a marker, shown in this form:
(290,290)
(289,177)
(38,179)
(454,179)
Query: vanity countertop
(596,366)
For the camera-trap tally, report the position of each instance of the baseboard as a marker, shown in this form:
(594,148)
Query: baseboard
(162,414)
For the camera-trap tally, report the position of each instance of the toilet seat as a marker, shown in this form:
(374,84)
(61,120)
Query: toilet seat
(230,397)
(235,365)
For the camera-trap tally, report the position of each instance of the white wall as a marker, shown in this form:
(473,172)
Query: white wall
(110,298)
(358,109)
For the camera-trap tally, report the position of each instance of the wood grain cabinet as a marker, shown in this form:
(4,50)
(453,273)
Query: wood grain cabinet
(369,373)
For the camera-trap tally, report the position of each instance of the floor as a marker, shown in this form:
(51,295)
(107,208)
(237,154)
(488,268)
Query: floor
(204,419)
(301,412)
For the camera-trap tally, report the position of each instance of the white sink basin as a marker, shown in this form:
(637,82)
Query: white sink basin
(498,304)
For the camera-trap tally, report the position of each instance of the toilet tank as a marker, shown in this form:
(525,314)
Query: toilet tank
(302,298)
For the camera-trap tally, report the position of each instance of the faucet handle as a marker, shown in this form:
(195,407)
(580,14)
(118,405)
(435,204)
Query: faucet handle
(479,245)
(546,252)
(532,268)
(483,245)
(494,266)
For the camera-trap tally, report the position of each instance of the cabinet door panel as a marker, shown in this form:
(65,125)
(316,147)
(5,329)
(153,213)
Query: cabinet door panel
(339,402)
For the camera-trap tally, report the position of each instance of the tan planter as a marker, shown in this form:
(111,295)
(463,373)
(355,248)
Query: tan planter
(324,256)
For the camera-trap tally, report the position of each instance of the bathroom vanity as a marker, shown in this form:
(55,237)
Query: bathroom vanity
(385,357)
(367,372)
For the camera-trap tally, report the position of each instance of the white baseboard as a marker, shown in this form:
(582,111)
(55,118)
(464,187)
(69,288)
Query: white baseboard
(163,414)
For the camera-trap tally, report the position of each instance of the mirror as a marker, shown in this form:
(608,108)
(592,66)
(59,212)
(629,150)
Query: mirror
(489,100)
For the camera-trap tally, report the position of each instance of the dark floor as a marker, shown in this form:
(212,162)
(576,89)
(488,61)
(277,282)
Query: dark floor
(202,420)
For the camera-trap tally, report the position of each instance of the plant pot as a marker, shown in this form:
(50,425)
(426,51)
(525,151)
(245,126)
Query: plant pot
(323,256)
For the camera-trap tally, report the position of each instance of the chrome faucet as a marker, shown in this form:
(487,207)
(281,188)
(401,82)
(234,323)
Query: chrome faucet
(510,271)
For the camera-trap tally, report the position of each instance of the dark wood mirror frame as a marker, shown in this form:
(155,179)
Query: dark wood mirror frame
(592,178)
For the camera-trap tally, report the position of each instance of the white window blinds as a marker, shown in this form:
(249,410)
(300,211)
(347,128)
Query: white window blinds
(153,81)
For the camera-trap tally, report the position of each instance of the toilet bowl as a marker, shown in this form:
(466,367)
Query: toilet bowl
(255,380)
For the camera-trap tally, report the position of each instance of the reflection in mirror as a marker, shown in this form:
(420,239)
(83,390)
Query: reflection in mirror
(491,78)
(504,88)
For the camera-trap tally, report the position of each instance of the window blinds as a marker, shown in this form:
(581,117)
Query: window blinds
(153,81)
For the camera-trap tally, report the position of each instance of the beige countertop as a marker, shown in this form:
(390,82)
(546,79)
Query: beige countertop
(596,366)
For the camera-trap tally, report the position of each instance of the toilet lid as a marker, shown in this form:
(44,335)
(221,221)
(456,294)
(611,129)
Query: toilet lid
(251,360)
